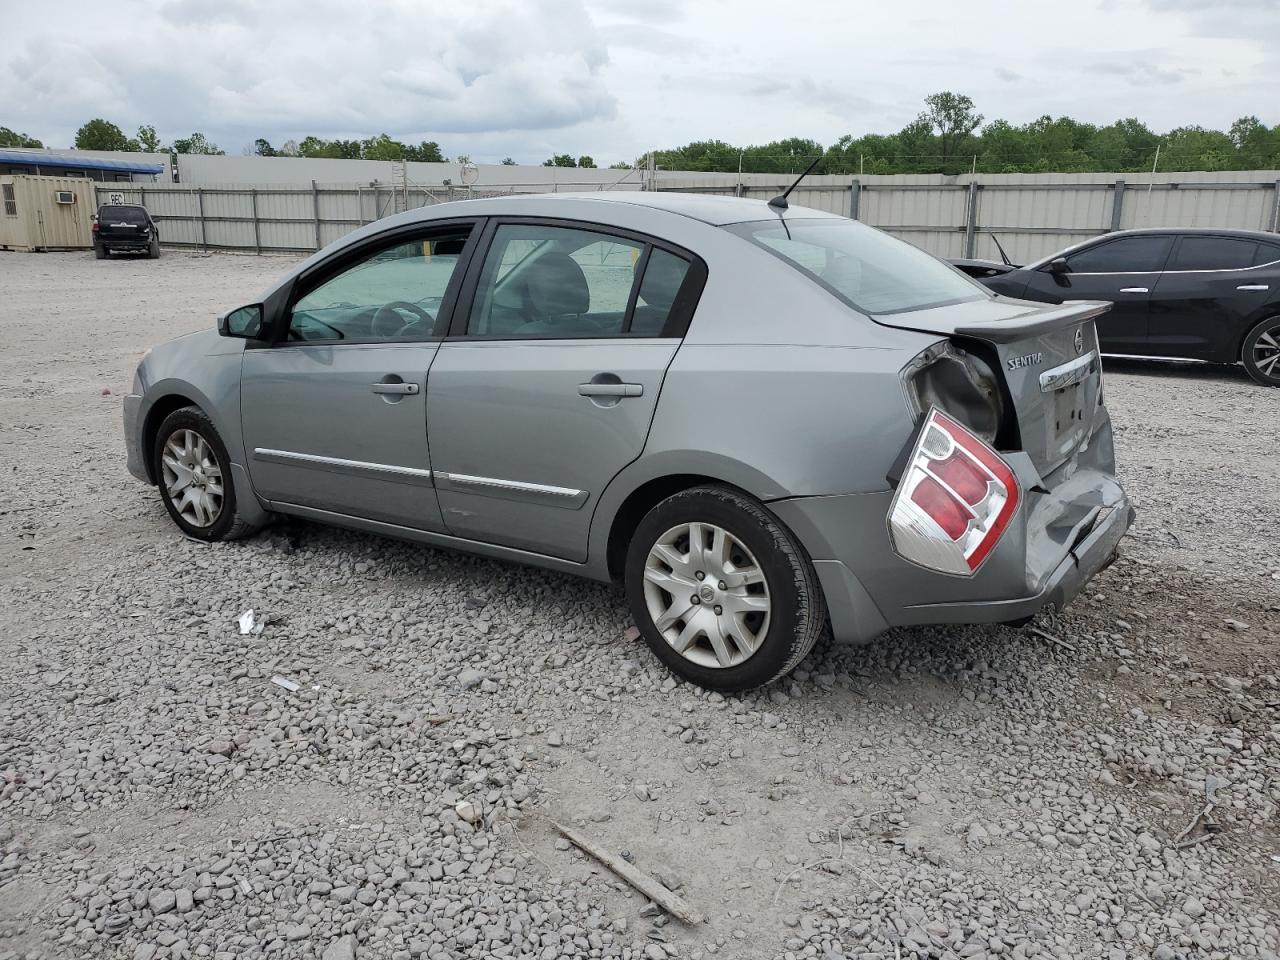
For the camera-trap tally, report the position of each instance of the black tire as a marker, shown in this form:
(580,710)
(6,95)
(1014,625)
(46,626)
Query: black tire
(153,252)
(1257,352)
(798,614)
(99,252)
(228,524)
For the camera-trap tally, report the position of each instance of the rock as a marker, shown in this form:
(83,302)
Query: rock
(162,901)
(555,738)
(295,931)
(223,748)
(468,679)
(184,901)
(505,876)
(1193,908)
(344,948)
(467,811)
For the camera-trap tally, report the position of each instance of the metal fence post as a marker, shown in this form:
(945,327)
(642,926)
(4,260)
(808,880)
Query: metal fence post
(1117,204)
(253,205)
(360,205)
(1275,211)
(315,210)
(204,245)
(855,196)
(971,221)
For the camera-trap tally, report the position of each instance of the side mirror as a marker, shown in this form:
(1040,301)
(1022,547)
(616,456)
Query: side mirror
(1059,266)
(245,322)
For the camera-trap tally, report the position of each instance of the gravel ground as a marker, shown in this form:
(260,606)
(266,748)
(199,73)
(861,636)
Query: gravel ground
(953,792)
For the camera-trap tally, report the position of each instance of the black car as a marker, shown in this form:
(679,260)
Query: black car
(1209,295)
(124,229)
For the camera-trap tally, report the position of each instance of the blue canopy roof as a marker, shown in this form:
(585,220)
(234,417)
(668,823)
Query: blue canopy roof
(34,159)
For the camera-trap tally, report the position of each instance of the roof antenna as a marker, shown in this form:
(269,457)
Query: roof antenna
(780,201)
(1003,256)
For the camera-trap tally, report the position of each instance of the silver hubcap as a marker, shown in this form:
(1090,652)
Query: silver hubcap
(707,595)
(192,478)
(1266,352)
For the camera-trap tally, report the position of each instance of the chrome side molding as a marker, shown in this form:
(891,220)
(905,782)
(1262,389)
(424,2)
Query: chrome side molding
(355,468)
(539,493)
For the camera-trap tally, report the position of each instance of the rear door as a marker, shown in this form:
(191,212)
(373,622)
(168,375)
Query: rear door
(1123,270)
(123,225)
(1204,302)
(334,415)
(547,386)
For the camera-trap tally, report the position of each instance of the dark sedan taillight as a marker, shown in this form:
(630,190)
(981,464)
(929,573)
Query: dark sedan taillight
(955,499)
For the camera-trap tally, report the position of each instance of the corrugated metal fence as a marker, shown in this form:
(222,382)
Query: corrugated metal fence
(283,219)
(1032,214)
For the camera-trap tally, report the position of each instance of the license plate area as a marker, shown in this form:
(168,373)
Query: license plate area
(1067,418)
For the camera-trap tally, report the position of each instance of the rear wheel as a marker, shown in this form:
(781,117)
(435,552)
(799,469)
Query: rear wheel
(1261,352)
(193,472)
(153,251)
(99,252)
(722,592)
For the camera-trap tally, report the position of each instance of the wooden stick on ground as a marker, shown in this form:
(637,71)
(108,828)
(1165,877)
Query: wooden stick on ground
(650,887)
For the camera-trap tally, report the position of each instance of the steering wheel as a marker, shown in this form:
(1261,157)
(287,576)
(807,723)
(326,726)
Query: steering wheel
(388,324)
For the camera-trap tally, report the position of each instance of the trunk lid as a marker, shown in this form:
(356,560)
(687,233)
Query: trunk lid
(1048,359)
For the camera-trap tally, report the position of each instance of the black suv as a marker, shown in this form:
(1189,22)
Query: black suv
(1211,295)
(124,229)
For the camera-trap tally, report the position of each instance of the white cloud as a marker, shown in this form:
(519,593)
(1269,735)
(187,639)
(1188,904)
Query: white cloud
(612,78)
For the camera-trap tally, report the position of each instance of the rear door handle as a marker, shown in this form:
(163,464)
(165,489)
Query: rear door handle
(611,389)
(1253,286)
(397,388)
(1134,290)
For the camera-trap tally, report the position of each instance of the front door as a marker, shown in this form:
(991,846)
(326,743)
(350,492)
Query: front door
(334,414)
(1123,270)
(548,387)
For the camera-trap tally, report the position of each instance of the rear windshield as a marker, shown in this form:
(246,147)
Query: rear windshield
(872,271)
(122,215)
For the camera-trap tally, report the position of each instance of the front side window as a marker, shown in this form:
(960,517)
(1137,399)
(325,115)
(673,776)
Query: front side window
(544,282)
(394,293)
(1213,253)
(874,272)
(1144,254)
(1267,253)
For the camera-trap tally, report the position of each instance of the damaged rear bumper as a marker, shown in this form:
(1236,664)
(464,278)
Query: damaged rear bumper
(1065,532)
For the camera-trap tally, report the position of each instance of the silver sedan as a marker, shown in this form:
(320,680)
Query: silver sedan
(768,423)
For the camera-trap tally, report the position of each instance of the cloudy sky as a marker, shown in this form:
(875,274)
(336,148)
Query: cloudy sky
(613,78)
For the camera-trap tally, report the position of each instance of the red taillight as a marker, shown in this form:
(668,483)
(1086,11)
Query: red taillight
(95,226)
(955,500)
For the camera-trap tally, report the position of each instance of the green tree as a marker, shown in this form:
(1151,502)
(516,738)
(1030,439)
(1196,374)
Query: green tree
(197,143)
(560,160)
(99,134)
(149,140)
(12,138)
(381,147)
(263,148)
(508,162)
(952,115)
(586,162)
(428,151)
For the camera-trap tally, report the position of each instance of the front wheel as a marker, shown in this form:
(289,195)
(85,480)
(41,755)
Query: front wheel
(721,591)
(1261,352)
(193,471)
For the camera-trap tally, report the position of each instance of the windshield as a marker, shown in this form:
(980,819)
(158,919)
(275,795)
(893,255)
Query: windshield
(872,271)
(133,215)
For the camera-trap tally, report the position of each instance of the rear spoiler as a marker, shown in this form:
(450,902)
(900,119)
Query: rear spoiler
(1037,321)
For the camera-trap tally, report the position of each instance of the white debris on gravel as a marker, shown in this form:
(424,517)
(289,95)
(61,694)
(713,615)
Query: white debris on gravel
(975,792)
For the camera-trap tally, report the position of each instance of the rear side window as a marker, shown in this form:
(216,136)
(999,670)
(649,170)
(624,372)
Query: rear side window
(664,277)
(1267,253)
(870,270)
(1144,254)
(1213,253)
(134,215)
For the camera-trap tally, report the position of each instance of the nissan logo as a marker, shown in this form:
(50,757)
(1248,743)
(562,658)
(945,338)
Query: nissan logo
(1079,339)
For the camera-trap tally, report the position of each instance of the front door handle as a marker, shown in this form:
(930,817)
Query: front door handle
(611,389)
(1134,290)
(1253,286)
(397,388)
